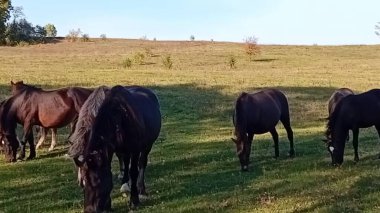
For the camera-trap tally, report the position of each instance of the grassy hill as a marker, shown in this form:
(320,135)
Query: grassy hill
(193,166)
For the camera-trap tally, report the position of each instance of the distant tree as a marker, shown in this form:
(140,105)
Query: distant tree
(5,14)
(192,38)
(20,31)
(103,37)
(85,37)
(377,29)
(40,34)
(73,35)
(51,31)
(251,47)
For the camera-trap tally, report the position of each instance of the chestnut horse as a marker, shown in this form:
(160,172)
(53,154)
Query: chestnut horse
(34,106)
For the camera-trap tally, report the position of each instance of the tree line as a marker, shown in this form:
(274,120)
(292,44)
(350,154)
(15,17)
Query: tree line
(15,29)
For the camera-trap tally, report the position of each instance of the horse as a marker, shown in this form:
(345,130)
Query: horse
(259,113)
(127,122)
(34,106)
(19,86)
(334,99)
(351,113)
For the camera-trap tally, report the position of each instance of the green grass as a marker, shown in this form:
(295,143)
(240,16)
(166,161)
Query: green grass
(193,166)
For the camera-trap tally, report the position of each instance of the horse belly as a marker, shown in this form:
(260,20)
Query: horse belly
(52,118)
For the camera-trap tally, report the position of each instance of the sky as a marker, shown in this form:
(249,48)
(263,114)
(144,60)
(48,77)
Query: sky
(310,22)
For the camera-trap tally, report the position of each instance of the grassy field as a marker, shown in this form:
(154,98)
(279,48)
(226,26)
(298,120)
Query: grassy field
(193,166)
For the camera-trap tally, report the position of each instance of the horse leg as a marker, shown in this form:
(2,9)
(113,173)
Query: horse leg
(250,139)
(121,166)
(355,141)
(378,131)
(25,137)
(32,148)
(274,134)
(141,178)
(134,200)
(286,122)
(53,138)
(125,179)
(42,138)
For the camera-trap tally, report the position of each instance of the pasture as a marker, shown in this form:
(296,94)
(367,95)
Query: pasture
(193,166)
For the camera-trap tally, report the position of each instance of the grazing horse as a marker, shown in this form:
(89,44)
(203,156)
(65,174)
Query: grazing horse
(34,106)
(19,86)
(127,122)
(352,112)
(337,96)
(259,113)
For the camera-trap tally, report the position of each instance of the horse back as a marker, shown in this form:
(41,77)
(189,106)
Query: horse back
(261,111)
(146,105)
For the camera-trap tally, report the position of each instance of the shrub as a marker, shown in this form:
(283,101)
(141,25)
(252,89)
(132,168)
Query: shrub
(103,37)
(85,38)
(51,31)
(148,52)
(127,63)
(192,38)
(139,58)
(251,47)
(232,62)
(167,62)
(73,35)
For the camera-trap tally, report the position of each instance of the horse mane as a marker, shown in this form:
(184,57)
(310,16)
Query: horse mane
(332,119)
(240,121)
(86,119)
(117,105)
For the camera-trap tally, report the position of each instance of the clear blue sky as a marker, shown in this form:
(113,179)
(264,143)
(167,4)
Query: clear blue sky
(272,21)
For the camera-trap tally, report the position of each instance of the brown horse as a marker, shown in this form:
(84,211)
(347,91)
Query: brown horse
(34,106)
(17,87)
(259,113)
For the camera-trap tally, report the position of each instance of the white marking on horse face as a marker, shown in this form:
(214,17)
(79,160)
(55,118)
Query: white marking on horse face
(81,158)
(81,180)
(331,148)
(2,142)
(125,188)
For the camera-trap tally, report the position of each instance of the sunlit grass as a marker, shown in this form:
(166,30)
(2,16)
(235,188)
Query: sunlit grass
(193,166)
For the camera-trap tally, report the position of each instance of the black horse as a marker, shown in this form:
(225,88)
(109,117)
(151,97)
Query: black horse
(127,122)
(259,113)
(352,112)
(34,106)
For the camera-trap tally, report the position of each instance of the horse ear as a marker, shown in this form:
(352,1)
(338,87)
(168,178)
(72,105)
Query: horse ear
(12,83)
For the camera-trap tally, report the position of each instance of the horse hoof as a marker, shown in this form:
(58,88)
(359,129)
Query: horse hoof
(143,197)
(50,149)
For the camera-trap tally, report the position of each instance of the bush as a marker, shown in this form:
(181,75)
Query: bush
(50,30)
(148,52)
(167,62)
(103,37)
(127,63)
(85,38)
(232,62)
(251,47)
(73,35)
(192,38)
(139,58)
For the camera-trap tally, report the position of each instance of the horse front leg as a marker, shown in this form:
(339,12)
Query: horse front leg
(134,171)
(32,148)
(355,142)
(25,138)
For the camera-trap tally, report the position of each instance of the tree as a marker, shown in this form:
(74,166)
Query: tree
(377,29)
(51,31)
(192,38)
(251,47)
(5,11)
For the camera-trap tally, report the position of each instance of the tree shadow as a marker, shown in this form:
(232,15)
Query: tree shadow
(265,59)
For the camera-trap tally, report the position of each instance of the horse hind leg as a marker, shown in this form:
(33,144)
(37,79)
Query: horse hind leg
(285,120)
(42,137)
(378,132)
(141,178)
(53,138)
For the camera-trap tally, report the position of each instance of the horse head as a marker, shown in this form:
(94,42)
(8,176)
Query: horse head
(242,150)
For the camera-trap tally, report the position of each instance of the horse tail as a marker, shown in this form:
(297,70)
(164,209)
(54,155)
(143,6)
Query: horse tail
(332,119)
(239,118)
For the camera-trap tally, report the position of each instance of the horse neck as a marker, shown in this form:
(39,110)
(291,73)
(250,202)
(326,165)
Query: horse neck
(339,135)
